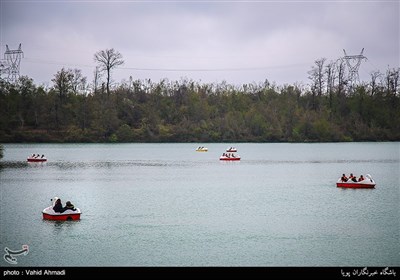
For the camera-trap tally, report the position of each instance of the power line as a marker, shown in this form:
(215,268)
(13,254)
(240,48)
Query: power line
(212,69)
(159,69)
(41,61)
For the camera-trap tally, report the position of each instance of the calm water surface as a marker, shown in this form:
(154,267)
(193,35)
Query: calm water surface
(167,205)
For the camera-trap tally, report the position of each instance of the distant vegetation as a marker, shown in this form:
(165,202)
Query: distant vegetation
(328,109)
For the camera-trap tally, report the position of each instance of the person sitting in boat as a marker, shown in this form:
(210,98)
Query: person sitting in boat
(354,179)
(58,206)
(42,156)
(69,206)
(361,178)
(344,178)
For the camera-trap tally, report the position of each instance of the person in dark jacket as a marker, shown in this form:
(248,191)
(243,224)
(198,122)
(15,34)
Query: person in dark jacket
(69,206)
(58,206)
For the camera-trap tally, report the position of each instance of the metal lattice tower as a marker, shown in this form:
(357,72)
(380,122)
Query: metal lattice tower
(13,60)
(353,63)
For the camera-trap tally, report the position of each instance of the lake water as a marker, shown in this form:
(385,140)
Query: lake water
(167,205)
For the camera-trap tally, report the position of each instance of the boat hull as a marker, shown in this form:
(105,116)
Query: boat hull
(62,217)
(67,215)
(36,159)
(229,159)
(355,185)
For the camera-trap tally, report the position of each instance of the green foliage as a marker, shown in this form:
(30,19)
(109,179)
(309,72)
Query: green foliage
(113,138)
(124,133)
(186,111)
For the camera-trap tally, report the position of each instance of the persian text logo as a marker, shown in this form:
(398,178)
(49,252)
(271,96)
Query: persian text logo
(9,256)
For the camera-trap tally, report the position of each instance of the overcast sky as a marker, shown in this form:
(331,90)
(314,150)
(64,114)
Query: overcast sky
(207,41)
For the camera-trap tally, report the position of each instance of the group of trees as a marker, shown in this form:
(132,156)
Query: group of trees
(329,109)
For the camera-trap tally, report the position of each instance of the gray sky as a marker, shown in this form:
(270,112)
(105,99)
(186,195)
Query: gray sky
(236,41)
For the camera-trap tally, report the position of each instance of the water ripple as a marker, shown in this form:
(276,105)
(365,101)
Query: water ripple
(262,162)
(97,164)
(160,163)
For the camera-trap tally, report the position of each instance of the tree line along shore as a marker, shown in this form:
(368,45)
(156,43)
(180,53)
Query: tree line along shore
(329,109)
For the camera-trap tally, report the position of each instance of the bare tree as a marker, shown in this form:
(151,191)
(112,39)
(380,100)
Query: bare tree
(78,81)
(392,81)
(374,84)
(341,86)
(340,67)
(96,79)
(107,60)
(63,82)
(316,75)
(330,81)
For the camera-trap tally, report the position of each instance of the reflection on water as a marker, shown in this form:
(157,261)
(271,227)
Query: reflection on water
(61,224)
(354,161)
(64,165)
(96,164)
(13,164)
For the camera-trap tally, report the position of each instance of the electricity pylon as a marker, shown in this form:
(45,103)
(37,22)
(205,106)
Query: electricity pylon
(353,62)
(13,61)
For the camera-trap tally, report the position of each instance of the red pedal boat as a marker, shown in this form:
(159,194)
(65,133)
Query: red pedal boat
(367,183)
(37,158)
(230,158)
(67,215)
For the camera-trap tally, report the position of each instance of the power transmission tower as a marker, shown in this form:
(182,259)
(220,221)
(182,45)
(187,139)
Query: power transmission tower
(13,60)
(353,63)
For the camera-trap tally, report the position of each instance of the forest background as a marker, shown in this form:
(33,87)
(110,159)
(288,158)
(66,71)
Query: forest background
(331,107)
